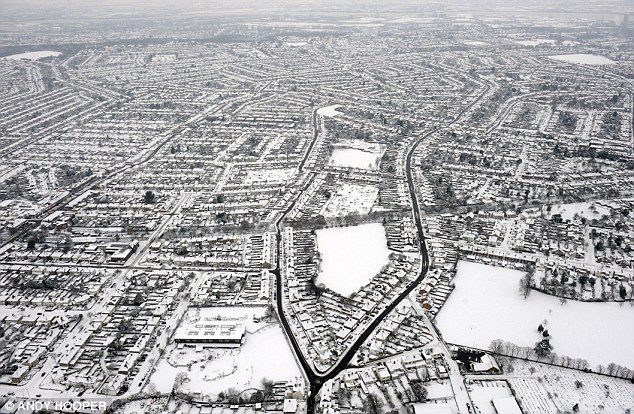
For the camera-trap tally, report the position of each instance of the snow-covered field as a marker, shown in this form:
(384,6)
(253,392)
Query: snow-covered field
(352,157)
(350,198)
(329,110)
(486,305)
(583,59)
(351,256)
(357,153)
(588,210)
(265,354)
(34,55)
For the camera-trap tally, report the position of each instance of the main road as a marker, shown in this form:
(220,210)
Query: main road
(316,380)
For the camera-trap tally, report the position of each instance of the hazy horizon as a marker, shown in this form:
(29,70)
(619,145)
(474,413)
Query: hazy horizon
(27,10)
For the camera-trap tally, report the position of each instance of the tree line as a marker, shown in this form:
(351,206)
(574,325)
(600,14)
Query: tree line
(500,347)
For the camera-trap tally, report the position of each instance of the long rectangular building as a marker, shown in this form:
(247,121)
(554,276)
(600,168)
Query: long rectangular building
(211,333)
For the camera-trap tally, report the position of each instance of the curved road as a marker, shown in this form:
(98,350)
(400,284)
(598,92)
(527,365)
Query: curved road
(316,380)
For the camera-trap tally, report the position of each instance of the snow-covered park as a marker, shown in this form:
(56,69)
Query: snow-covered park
(357,154)
(589,210)
(486,305)
(351,256)
(583,59)
(349,198)
(329,110)
(265,354)
(33,55)
(355,158)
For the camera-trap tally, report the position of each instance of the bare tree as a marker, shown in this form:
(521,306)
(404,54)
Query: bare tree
(526,282)
(181,377)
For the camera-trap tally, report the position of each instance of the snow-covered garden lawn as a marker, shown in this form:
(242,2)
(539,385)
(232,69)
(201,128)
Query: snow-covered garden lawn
(486,305)
(351,256)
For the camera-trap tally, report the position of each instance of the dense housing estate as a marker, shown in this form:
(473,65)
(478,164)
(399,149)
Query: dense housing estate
(421,210)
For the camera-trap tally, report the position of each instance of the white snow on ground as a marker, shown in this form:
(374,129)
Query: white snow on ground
(269,175)
(486,305)
(357,154)
(34,55)
(532,390)
(583,59)
(352,157)
(351,256)
(439,390)
(588,210)
(535,42)
(329,110)
(483,392)
(265,353)
(350,198)
(407,20)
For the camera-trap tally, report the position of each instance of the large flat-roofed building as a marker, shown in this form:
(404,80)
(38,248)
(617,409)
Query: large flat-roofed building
(439,408)
(506,405)
(211,333)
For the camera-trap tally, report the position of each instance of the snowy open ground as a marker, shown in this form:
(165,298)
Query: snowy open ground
(329,110)
(34,55)
(486,305)
(268,175)
(533,389)
(483,392)
(265,354)
(352,157)
(350,198)
(476,43)
(588,210)
(407,20)
(351,256)
(583,59)
(356,153)
(439,390)
(535,42)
